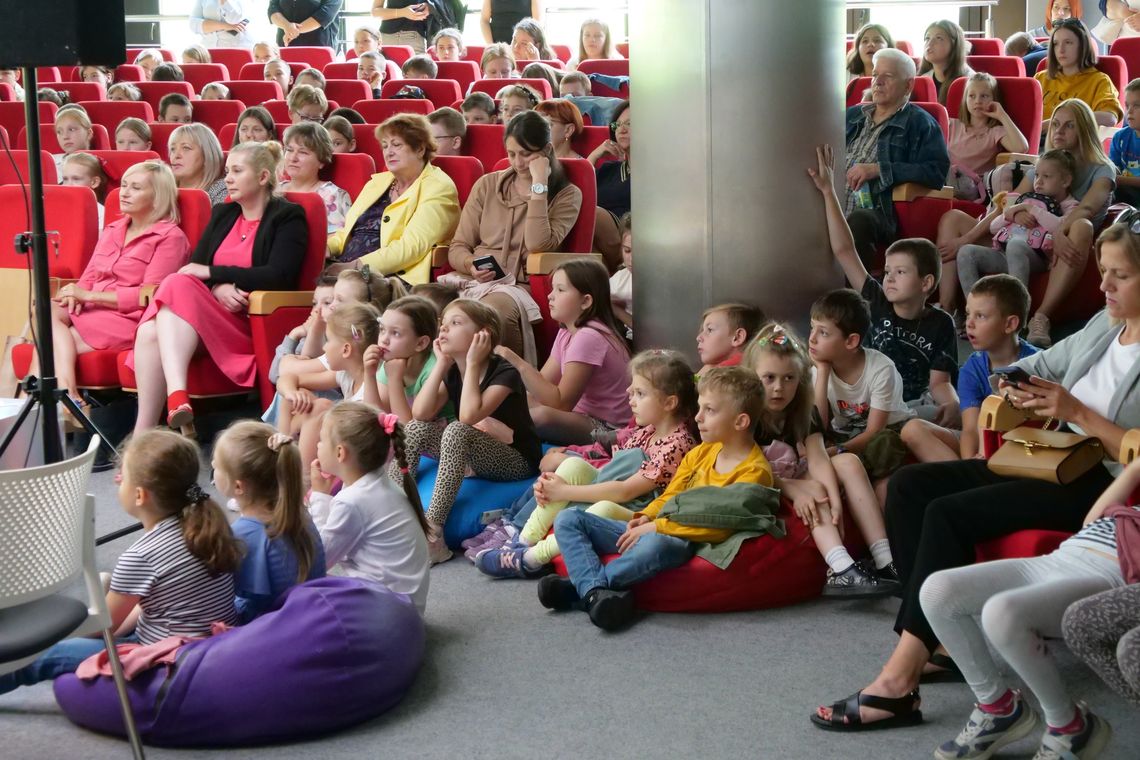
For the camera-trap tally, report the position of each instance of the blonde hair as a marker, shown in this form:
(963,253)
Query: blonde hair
(138,126)
(199,134)
(271,477)
(995,92)
(79,114)
(356,323)
(378,291)
(740,386)
(1091,149)
(494,52)
(608,47)
(165,190)
(484,317)
(149,54)
(128,89)
(217,87)
(795,421)
(95,168)
(196,54)
(263,157)
(306,95)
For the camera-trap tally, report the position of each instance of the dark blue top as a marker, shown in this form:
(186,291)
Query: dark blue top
(974,379)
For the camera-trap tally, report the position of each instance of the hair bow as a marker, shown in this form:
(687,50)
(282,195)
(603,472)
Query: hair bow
(196,495)
(277,440)
(388,422)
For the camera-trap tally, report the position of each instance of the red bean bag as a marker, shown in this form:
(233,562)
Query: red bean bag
(1023,543)
(768,572)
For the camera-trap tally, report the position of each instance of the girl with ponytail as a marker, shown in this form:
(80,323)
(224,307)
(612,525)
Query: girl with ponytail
(178,578)
(372,528)
(260,469)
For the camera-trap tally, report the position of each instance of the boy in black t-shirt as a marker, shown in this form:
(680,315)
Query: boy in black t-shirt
(918,338)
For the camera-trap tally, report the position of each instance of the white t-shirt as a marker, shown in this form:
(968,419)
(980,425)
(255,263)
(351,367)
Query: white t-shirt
(879,387)
(621,289)
(369,529)
(345,382)
(1096,389)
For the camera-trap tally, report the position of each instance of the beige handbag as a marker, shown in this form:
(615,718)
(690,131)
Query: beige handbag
(1061,458)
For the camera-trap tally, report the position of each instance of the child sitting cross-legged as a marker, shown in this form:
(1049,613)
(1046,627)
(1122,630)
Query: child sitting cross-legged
(996,309)
(919,339)
(730,404)
(725,331)
(580,391)
(260,469)
(663,399)
(402,357)
(374,527)
(813,481)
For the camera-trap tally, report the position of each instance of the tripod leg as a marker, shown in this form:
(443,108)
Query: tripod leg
(85,421)
(29,402)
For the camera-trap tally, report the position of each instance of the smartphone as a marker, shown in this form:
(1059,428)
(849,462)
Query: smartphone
(485,263)
(613,132)
(1013,375)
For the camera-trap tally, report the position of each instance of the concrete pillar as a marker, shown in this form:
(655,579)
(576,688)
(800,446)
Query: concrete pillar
(730,99)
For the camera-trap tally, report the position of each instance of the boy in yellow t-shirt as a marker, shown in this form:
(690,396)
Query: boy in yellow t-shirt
(731,400)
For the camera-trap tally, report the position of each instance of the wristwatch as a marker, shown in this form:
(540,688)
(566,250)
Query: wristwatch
(538,188)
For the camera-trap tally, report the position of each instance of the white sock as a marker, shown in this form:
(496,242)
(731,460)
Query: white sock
(881,553)
(530,559)
(838,559)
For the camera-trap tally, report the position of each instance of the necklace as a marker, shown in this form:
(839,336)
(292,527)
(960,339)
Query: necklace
(250,226)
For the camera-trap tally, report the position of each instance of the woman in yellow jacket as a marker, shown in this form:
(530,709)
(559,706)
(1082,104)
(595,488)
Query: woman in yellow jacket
(1072,73)
(402,212)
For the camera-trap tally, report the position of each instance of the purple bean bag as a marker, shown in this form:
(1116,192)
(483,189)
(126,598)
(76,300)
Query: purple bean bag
(333,653)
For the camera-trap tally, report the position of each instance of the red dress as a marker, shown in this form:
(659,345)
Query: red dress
(121,268)
(224,335)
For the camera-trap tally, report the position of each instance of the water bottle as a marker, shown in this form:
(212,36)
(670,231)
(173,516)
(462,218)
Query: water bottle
(863,197)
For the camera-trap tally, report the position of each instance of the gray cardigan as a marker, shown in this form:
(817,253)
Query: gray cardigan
(1071,359)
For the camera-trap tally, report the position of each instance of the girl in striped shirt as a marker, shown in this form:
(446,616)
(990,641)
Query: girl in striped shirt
(178,578)
(1015,603)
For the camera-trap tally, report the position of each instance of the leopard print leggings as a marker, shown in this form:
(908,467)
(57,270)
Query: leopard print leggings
(1104,631)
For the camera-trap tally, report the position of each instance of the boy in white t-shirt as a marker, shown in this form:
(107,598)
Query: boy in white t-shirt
(858,391)
(621,284)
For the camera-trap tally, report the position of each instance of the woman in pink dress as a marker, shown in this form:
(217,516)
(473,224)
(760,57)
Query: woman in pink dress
(101,310)
(257,242)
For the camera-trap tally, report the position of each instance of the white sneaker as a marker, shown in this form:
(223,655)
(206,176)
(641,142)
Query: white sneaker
(1083,745)
(1039,327)
(437,547)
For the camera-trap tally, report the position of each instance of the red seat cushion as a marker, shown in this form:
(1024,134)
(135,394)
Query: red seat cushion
(95,369)
(1023,543)
(768,572)
(204,378)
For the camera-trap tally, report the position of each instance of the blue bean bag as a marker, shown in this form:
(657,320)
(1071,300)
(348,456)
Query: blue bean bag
(479,501)
(333,652)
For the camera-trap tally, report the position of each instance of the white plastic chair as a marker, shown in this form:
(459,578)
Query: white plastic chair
(47,538)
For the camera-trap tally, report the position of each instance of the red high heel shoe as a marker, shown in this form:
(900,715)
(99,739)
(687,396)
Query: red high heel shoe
(179,413)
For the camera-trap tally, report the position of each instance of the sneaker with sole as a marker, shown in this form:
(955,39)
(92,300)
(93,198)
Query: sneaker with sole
(609,609)
(557,593)
(1039,327)
(853,583)
(437,548)
(508,562)
(1087,743)
(986,733)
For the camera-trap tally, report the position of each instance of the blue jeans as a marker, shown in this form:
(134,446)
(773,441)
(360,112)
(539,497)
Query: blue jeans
(58,660)
(583,537)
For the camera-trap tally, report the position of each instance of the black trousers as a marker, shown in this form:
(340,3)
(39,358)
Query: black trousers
(937,513)
(868,228)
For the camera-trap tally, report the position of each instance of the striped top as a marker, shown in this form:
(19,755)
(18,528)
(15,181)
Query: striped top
(178,595)
(1099,535)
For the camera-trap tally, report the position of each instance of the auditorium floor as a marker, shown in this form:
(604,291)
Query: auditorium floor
(503,678)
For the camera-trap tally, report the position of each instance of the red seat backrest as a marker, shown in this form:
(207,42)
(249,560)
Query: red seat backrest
(314,57)
(69,210)
(553,63)
(193,211)
(116,162)
(485,142)
(623,48)
(612,67)
(905,46)
(398,54)
(350,172)
(997,65)
(589,138)
(48,74)
(160,138)
(440,92)
(924,90)
(492,86)
(254,72)
(226,135)
(153,92)
(100,139)
(201,74)
(580,238)
(464,73)
(232,58)
(110,112)
(278,109)
(367,144)
(340,70)
(347,90)
(215,114)
(133,51)
(1128,48)
(986,46)
(464,172)
(129,72)
(4,138)
(562,52)
(376,111)
(77,91)
(254,93)
(7,93)
(474,53)
(1021,98)
(8,173)
(12,115)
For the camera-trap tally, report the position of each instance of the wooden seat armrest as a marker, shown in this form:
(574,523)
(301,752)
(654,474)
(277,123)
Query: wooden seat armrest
(1000,417)
(909,191)
(55,283)
(262,302)
(1130,446)
(439,256)
(1005,158)
(545,263)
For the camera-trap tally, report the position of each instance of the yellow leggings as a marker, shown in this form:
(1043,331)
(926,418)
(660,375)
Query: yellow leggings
(576,472)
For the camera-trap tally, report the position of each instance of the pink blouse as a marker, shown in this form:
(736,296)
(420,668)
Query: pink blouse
(124,267)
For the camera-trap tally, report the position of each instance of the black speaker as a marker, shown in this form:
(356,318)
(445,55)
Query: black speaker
(62,32)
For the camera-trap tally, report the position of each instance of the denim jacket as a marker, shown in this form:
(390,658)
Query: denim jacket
(911,149)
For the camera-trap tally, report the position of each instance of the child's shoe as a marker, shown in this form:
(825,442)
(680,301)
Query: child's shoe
(557,593)
(482,536)
(437,547)
(609,609)
(1087,743)
(986,733)
(853,583)
(508,562)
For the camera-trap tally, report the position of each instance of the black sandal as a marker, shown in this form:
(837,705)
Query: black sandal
(949,672)
(845,713)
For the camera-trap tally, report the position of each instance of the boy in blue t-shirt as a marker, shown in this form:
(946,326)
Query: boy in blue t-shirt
(996,308)
(1125,148)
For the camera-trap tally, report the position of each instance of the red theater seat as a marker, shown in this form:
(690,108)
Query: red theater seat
(254,93)
(255,72)
(553,63)
(160,138)
(68,210)
(132,53)
(226,135)
(129,72)
(441,92)
(315,57)
(623,48)
(340,70)
(367,144)
(986,46)
(562,52)
(116,162)
(110,112)
(48,75)
(232,58)
(350,172)
(279,110)
(12,116)
(464,73)
(77,91)
(377,111)
(397,54)
(347,90)
(100,140)
(464,172)
(492,87)
(997,65)
(1111,65)
(612,67)
(215,114)
(589,138)
(485,142)
(153,92)
(939,113)
(201,74)
(1128,48)
(1021,98)
(924,90)
(474,53)
(9,175)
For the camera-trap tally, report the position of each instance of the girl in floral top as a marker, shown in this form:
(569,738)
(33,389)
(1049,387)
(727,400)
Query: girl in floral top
(308,150)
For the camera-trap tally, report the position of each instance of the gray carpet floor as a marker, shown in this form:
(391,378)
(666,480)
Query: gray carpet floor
(504,678)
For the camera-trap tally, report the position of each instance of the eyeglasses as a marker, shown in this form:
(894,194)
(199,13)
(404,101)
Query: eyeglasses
(616,125)
(304,117)
(1076,23)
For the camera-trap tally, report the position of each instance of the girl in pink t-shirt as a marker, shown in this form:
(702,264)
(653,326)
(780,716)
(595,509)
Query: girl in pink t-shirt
(982,130)
(582,386)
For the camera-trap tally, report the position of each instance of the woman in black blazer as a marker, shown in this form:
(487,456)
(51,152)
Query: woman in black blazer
(257,242)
